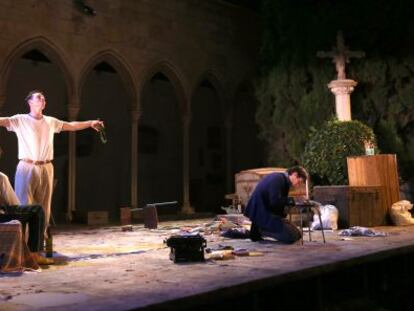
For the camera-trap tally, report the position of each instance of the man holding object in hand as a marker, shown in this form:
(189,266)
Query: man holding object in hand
(35,132)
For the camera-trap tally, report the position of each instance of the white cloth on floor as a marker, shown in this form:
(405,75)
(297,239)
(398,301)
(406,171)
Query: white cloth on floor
(362,231)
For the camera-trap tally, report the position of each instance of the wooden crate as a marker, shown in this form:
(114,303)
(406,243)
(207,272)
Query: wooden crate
(125,213)
(357,206)
(98,218)
(247,180)
(365,207)
(376,170)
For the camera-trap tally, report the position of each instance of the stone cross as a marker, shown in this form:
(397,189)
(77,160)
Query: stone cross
(340,55)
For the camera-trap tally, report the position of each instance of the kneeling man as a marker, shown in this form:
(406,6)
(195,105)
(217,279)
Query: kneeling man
(266,205)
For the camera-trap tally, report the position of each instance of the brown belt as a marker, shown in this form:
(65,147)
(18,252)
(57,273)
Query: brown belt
(36,162)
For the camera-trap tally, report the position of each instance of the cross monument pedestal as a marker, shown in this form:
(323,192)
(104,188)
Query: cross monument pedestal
(342,87)
(342,90)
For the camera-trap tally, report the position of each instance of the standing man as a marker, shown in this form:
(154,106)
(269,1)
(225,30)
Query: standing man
(265,207)
(35,132)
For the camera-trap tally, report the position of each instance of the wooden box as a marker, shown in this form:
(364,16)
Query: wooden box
(357,206)
(376,170)
(246,181)
(125,213)
(98,218)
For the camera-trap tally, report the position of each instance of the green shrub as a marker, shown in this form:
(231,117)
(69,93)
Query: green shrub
(328,147)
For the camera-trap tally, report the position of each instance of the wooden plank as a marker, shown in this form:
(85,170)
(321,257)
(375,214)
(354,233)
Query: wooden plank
(376,170)
(365,208)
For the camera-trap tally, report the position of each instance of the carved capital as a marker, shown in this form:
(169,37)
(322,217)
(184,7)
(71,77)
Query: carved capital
(342,87)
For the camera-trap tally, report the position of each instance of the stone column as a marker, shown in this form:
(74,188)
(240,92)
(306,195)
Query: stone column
(2,101)
(342,90)
(228,150)
(73,111)
(186,208)
(135,115)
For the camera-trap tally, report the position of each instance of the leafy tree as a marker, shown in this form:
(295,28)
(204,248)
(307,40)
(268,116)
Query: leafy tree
(328,147)
(292,87)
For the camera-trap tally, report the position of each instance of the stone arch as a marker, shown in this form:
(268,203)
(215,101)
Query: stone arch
(218,84)
(119,64)
(110,92)
(45,46)
(245,129)
(244,86)
(208,143)
(175,77)
(166,116)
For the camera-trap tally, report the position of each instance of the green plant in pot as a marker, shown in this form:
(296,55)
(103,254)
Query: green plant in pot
(328,147)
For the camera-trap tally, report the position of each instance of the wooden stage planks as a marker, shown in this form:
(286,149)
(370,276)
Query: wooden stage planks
(116,278)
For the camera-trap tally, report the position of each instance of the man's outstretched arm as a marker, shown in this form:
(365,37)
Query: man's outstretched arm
(5,122)
(81,125)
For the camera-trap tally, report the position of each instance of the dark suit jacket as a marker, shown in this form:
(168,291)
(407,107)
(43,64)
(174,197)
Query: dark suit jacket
(267,200)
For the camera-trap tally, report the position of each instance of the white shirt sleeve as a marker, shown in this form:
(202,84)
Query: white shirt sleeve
(14,123)
(57,124)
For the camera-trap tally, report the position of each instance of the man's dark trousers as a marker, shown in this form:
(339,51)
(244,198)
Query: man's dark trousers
(34,216)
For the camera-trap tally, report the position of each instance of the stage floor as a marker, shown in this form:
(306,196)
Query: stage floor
(109,269)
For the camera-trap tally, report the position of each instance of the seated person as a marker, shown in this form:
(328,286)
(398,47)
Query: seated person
(30,214)
(266,205)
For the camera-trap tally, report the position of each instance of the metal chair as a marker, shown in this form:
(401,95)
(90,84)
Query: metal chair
(306,207)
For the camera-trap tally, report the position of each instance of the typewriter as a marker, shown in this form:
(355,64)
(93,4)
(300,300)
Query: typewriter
(186,248)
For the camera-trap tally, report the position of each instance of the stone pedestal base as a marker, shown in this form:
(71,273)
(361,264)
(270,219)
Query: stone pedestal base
(187,209)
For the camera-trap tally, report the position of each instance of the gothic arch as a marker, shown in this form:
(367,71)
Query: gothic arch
(45,46)
(176,79)
(217,83)
(243,86)
(119,64)
(245,129)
